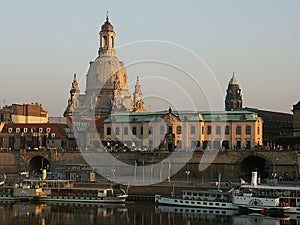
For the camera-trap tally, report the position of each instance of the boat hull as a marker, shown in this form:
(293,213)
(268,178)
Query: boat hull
(87,200)
(177,201)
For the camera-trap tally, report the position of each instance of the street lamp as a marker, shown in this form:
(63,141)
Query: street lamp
(274,168)
(187,175)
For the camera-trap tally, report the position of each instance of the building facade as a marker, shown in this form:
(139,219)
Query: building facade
(25,113)
(39,136)
(187,130)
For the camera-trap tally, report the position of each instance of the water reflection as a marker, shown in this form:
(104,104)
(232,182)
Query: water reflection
(16,213)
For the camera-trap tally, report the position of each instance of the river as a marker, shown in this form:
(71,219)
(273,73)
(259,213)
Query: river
(16,213)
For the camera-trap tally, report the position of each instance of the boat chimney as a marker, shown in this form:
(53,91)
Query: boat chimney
(254,178)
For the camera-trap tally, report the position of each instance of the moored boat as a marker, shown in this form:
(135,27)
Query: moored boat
(257,197)
(64,191)
(28,191)
(196,198)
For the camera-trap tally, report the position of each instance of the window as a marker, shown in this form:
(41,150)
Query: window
(150,130)
(218,130)
(258,130)
(40,130)
(238,130)
(162,129)
(227,130)
(193,130)
(142,130)
(134,130)
(125,130)
(108,131)
(202,128)
(170,130)
(178,130)
(248,129)
(117,131)
(208,129)
(25,130)
(17,130)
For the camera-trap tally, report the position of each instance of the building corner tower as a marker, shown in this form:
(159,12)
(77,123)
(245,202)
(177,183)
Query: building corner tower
(233,99)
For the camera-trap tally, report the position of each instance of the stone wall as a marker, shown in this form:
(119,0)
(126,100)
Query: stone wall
(228,163)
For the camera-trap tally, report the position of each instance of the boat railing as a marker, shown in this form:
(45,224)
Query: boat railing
(202,198)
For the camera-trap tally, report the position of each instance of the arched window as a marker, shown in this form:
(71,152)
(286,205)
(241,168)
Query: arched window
(105,41)
(117,131)
(238,130)
(112,42)
(178,130)
(126,130)
(108,131)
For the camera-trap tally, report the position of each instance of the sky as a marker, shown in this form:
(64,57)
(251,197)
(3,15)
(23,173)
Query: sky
(174,46)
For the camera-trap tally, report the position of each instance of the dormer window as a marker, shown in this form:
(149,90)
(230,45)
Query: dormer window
(25,130)
(40,130)
(10,130)
(17,130)
(48,130)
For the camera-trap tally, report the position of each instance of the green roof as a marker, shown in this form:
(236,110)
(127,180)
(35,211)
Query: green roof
(233,81)
(138,117)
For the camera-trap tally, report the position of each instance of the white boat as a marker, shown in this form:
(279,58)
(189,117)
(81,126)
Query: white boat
(65,192)
(267,197)
(194,198)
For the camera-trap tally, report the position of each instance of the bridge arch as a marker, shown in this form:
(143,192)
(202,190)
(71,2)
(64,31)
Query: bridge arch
(37,163)
(255,163)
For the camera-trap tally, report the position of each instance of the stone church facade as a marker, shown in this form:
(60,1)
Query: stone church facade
(106,88)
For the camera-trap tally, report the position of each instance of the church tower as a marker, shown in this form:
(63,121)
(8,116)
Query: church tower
(138,103)
(106,89)
(73,102)
(107,39)
(233,99)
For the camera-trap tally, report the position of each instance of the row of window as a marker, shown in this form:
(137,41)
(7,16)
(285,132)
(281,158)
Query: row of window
(238,130)
(218,130)
(32,130)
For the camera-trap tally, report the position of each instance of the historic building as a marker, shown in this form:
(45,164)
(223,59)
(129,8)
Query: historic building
(274,123)
(296,119)
(25,113)
(36,136)
(106,83)
(233,99)
(28,126)
(169,130)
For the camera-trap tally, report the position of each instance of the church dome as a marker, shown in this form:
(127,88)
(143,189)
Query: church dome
(104,71)
(107,26)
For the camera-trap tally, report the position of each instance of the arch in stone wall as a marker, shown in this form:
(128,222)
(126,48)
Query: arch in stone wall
(37,163)
(254,163)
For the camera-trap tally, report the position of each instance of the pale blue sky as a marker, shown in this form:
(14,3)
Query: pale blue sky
(44,42)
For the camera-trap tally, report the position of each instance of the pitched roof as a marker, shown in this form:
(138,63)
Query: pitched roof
(58,129)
